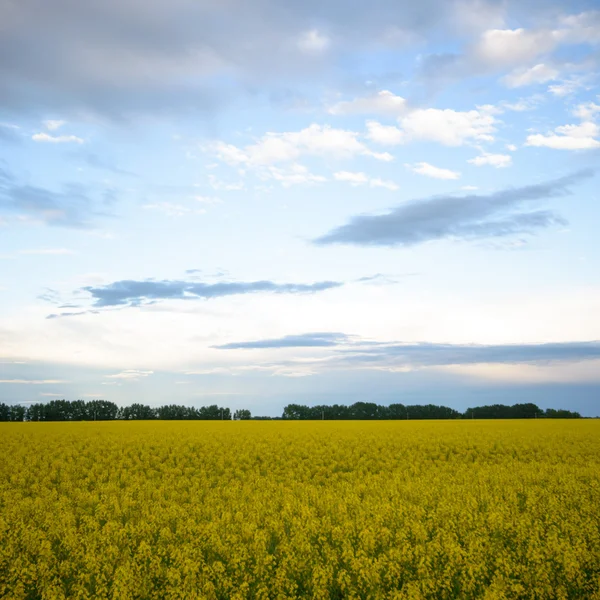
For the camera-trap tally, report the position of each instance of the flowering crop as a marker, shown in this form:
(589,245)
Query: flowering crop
(387,509)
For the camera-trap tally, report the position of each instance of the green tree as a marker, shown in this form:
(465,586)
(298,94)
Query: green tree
(17,412)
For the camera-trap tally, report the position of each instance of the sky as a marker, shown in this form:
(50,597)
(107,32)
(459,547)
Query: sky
(257,203)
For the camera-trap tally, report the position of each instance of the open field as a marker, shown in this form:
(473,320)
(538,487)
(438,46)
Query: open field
(387,509)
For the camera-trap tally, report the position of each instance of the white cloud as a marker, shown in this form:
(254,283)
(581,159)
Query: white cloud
(449,127)
(587,111)
(313,42)
(567,87)
(56,139)
(223,186)
(519,48)
(383,102)
(387,135)
(173,210)
(388,185)
(130,374)
(469,188)
(511,147)
(583,130)
(570,137)
(490,109)
(53,125)
(478,15)
(524,104)
(294,175)
(493,160)
(229,153)
(581,28)
(359,178)
(315,140)
(423,168)
(540,73)
(507,47)
(353,179)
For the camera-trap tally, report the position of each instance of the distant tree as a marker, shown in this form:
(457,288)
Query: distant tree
(12,412)
(79,410)
(242,414)
(364,410)
(36,412)
(296,412)
(432,411)
(501,411)
(551,413)
(17,412)
(137,412)
(174,412)
(397,411)
(99,410)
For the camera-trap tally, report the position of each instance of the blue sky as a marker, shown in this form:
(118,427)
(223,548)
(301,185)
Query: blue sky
(253,204)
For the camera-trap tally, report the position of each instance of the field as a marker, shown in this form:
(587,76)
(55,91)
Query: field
(415,510)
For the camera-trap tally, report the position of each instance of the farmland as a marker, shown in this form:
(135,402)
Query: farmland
(388,509)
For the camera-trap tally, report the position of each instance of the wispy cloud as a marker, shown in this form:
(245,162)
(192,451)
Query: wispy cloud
(343,352)
(91,159)
(304,340)
(464,217)
(130,375)
(383,102)
(356,178)
(74,206)
(499,161)
(8,133)
(435,355)
(72,314)
(56,139)
(423,168)
(135,293)
(53,124)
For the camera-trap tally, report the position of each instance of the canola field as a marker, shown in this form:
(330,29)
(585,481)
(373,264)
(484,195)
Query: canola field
(233,510)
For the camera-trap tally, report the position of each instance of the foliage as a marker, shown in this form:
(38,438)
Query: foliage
(493,510)
(242,415)
(499,411)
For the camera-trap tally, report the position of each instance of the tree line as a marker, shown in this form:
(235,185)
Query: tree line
(103,410)
(372,411)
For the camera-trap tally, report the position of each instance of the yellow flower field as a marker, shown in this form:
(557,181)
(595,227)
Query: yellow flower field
(377,509)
